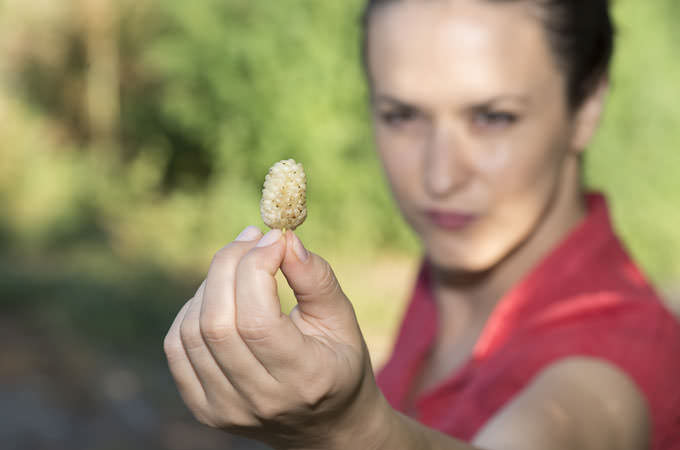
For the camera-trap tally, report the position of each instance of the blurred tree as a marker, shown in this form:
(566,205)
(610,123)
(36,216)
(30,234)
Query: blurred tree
(102,73)
(152,119)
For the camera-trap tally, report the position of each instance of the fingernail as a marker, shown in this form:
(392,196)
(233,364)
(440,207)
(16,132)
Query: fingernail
(269,238)
(249,233)
(299,249)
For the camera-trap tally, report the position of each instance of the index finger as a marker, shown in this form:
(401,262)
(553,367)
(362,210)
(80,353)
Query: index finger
(269,333)
(217,317)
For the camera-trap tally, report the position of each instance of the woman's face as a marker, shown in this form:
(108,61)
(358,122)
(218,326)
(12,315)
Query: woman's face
(471,123)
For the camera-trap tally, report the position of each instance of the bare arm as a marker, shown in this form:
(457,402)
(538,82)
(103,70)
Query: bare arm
(576,403)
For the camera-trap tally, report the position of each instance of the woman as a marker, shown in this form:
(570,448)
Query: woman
(529,327)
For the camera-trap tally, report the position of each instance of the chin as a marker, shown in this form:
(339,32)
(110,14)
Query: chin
(472,259)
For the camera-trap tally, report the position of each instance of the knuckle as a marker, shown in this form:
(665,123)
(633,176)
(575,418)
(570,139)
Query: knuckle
(205,420)
(224,252)
(214,329)
(172,347)
(201,413)
(225,255)
(190,336)
(252,263)
(249,264)
(327,283)
(236,420)
(315,389)
(267,410)
(254,329)
(313,395)
(230,413)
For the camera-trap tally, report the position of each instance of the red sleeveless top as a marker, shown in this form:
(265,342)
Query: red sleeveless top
(586,298)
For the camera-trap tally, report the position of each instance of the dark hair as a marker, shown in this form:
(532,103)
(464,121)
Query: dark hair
(580,32)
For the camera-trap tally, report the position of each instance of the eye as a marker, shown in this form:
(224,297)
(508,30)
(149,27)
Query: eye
(398,116)
(493,119)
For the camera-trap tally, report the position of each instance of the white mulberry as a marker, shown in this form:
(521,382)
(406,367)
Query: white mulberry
(284,195)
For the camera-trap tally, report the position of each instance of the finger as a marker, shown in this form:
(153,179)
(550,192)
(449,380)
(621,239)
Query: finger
(216,322)
(321,301)
(269,334)
(188,384)
(221,397)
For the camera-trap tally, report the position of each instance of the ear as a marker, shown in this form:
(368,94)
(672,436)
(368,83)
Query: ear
(588,116)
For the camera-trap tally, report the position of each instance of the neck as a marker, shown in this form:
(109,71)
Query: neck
(470,298)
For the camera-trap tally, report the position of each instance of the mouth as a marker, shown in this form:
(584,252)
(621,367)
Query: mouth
(450,220)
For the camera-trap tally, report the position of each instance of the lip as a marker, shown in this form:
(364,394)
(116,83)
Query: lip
(450,220)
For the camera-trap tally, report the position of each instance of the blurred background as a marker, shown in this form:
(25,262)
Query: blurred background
(134,139)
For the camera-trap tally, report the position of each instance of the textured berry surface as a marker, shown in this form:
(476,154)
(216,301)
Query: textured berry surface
(284,195)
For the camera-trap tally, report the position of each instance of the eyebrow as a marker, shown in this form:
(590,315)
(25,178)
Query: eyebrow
(389,99)
(483,104)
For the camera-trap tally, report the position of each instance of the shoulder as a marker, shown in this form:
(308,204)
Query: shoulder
(575,402)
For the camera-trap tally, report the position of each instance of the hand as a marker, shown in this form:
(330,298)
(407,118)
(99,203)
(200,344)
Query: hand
(302,380)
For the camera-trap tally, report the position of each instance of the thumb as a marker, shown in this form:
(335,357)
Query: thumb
(319,295)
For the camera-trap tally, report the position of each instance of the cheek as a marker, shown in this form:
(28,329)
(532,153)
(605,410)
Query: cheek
(521,191)
(528,163)
(496,159)
(401,161)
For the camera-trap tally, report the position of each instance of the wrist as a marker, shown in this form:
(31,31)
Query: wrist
(370,428)
(366,424)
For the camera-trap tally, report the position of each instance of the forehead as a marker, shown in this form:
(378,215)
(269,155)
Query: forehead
(437,49)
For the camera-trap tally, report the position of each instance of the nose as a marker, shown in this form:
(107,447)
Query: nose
(444,165)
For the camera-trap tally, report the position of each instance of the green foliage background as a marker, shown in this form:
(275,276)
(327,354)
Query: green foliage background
(210,93)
